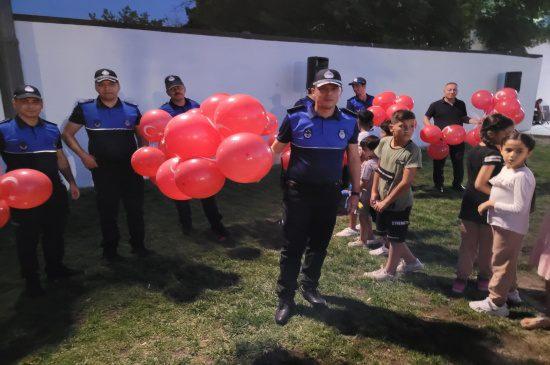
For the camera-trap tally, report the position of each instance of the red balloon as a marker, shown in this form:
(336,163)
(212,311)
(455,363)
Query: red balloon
(194,111)
(244,158)
(506,94)
(482,99)
(162,147)
(4,213)
(199,178)
(405,100)
(285,159)
(379,114)
(508,107)
(438,151)
(25,188)
(453,134)
(431,134)
(166,180)
(152,124)
(272,125)
(209,105)
(190,136)
(240,113)
(518,116)
(473,137)
(393,108)
(384,99)
(146,160)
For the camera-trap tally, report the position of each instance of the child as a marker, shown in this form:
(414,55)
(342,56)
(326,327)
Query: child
(508,214)
(366,212)
(391,194)
(365,123)
(484,162)
(541,258)
(385,129)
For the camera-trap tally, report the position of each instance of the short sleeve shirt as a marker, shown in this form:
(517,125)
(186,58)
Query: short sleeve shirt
(445,114)
(391,166)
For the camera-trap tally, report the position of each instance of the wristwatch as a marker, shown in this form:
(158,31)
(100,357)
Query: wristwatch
(355,193)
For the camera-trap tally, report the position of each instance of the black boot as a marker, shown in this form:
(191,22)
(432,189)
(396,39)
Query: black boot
(33,288)
(61,272)
(284,311)
(220,231)
(111,255)
(141,251)
(313,297)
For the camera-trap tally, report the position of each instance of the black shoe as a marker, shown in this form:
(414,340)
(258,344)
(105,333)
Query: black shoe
(112,256)
(283,311)
(439,189)
(187,230)
(459,188)
(141,251)
(62,272)
(314,298)
(220,231)
(33,288)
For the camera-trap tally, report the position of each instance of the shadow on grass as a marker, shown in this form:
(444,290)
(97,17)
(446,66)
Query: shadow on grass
(267,232)
(453,341)
(432,253)
(49,319)
(260,353)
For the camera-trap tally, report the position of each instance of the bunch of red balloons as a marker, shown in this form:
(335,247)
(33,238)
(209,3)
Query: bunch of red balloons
(504,101)
(387,103)
(199,149)
(22,189)
(451,135)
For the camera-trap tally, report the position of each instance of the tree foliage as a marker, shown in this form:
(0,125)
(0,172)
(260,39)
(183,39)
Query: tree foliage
(127,16)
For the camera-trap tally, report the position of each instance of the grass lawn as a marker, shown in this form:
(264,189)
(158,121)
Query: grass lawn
(200,302)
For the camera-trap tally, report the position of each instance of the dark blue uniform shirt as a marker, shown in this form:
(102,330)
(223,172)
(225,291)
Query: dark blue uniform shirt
(23,146)
(174,109)
(111,131)
(356,105)
(318,143)
(307,101)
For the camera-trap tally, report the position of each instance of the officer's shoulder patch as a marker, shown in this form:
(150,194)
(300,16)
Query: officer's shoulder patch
(297,108)
(349,112)
(85,101)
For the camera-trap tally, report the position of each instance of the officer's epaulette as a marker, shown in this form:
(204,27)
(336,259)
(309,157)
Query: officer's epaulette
(346,110)
(297,108)
(5,121)
(84,101)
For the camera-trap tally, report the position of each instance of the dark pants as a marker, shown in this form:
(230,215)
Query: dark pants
(457,158)
(46,222)
(113,183)
(209,206)
(310,215)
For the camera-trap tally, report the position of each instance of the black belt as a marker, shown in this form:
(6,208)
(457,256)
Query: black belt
(312,187)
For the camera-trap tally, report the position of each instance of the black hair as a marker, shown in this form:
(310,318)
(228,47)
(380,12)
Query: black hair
(385,126)
(370,142)
(526,139)
(494,123)
(365,119)
(401,116)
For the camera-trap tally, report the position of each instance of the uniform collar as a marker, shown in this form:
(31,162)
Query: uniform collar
(100,104)
(21,123)
(336,115)
(178,106)
(443,100)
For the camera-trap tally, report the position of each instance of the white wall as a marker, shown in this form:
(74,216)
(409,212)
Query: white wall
(544,81)
(61,59)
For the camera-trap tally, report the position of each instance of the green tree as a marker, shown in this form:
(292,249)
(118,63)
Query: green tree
(127,16)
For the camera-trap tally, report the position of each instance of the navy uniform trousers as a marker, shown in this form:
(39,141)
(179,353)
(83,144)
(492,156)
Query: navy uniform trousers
(309,218)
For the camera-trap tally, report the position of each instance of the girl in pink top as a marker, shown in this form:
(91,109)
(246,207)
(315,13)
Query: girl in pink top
(508,214)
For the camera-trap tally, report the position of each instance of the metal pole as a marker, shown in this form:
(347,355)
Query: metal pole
(11,71)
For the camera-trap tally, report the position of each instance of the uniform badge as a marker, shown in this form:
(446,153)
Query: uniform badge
(342,134)
(97,124)
(328,75)
(307,133)
(23,146)
(171,78)
(127,123)
(105,72)
(29,89)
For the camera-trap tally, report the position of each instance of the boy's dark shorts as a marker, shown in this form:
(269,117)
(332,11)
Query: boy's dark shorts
(393,224)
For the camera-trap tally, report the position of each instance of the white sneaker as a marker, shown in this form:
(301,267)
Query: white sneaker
(379,275)
(513,298)
(380,251)
(356,243)
(408,268)
(374,242)
(347,232)
(358,226)
(488,307)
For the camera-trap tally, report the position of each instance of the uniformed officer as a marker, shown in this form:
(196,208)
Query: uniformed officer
(28,141)
(307,100)
(179,104)
(319,136)
(361,100)
(111,127)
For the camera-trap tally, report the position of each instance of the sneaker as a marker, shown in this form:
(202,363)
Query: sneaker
(483,285)
(439,189)
(535,323)
(459,188)
(357,243)
(380,251)
(513,298)
(375,242)
(347,232)
(220,231)
(488,307)
(409,268)
(459,286)
(379,275)
(357,227)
